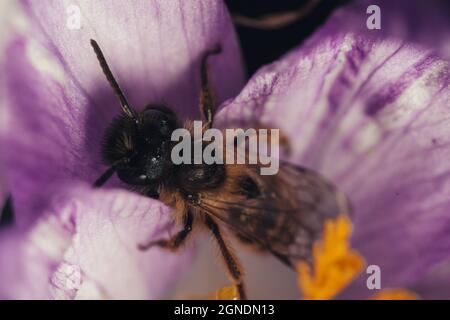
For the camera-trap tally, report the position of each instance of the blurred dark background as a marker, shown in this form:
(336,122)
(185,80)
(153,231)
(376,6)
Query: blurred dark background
(261,46)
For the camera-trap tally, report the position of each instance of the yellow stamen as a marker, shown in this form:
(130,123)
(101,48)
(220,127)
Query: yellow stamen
(335,263)
(335,266)
(225,293)
(394,294)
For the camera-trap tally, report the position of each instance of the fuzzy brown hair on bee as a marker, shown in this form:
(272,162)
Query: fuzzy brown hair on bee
(281,214)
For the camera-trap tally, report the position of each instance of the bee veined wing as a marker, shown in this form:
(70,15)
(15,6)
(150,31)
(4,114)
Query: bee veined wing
(283,214)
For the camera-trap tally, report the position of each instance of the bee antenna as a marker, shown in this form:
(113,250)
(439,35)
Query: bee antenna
(112,81)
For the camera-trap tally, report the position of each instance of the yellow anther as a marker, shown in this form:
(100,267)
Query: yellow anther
(335,264)
(394,294)
(226,293)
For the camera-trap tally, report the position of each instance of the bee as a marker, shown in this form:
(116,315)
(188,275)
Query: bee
(281,214)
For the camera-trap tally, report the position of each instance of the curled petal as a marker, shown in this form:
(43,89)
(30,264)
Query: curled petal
(86,246)
(27,259)
(422,23)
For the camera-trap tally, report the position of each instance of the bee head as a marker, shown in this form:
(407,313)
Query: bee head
(141,145)
(137,145)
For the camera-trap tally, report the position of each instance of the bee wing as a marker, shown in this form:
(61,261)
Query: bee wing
(285,216)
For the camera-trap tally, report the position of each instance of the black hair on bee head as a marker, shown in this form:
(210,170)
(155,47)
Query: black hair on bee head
(124,137)
(119,140)
(142,148)
(137,145)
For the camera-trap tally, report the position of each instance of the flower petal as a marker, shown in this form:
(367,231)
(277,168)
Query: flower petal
(59,102)
(85,246)
(154,47)
(27,261)
(435,285)
(423,23)
(372,115)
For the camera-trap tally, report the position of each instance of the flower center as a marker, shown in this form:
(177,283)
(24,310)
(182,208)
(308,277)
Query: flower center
(334,266)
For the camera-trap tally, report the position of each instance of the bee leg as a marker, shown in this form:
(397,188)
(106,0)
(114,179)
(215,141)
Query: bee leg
(231,261)
(207,107)
(176,241)
(7,214)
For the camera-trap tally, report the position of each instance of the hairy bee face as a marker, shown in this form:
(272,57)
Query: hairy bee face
(142,147)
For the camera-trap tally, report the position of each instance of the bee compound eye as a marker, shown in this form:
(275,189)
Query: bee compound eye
(160,119)
(132,177)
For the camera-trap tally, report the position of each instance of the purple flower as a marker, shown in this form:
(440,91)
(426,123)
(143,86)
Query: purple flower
(371,112)
(366,108)
(70,241)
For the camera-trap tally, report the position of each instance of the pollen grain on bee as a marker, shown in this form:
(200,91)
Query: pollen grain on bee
(227,146)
